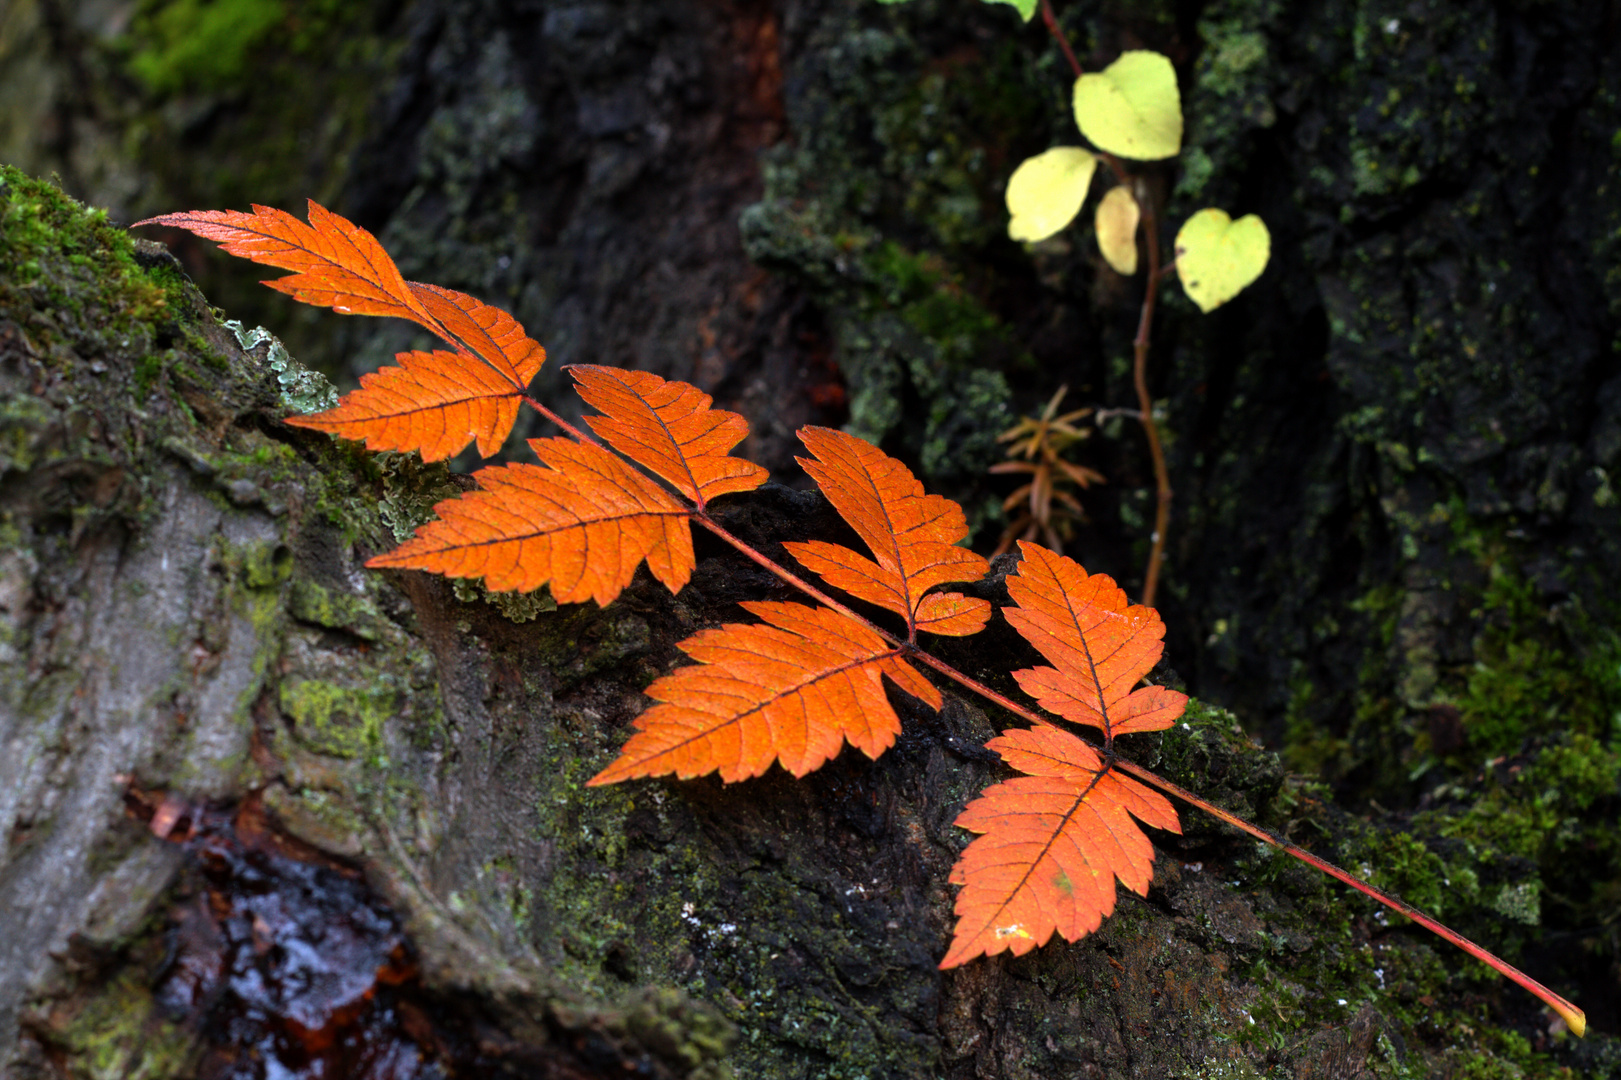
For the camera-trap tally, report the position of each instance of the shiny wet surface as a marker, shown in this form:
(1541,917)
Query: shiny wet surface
(286,962)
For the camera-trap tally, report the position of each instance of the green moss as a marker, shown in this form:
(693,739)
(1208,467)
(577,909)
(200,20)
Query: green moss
(949,331)
(665,1021)
(210,46)
(1542,810)
(199,44)
(318,817)
(310,602)
(1537,669)
(259,566)
(1208,743)
(121,1035)
(74,260)
(339,721)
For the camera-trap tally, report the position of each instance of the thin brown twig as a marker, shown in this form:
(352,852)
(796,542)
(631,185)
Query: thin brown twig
(1573,1016)
(1145,403)
(1057,32)
(1051,19)
(1150,227)
(559,421)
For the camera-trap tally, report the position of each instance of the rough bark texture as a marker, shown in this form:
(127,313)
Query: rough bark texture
(1394,551)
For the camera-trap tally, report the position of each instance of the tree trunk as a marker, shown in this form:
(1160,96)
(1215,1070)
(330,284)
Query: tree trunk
(1393,550)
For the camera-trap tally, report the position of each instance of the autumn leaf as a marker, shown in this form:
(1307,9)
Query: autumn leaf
(338,264)
(1053,843)
(1056,839)
(433,402)
(911,534)
(1132,107)
(1217,258)
(1100,646)
(1116,228)
(583,522)
(671,429)
(792,690)
(486,332)
(1046,191)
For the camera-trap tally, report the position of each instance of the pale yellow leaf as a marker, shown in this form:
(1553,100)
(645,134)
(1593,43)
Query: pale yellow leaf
(1132,107)
(1045,192)
(1117,229)
(1216,257)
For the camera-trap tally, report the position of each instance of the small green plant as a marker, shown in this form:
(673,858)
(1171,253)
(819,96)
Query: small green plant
(1132,111)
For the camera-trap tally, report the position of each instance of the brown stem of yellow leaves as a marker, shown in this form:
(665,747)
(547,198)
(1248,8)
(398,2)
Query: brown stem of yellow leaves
(1145,403)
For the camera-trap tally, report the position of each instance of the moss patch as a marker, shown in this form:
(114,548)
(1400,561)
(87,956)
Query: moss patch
(197,44)
(121,1035)
(60,255)
(339,721)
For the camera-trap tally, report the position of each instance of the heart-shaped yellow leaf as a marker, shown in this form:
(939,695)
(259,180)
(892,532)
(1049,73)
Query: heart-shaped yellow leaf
(1217,257)
(1132,107)
(1117,229)
(1045,192)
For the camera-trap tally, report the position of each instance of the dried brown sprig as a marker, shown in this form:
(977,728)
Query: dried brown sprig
(1047,511)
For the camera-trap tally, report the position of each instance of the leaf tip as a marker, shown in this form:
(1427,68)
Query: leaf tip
(605,777)
(1574,1019)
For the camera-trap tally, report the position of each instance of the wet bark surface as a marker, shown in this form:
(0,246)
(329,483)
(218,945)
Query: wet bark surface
(1393,553)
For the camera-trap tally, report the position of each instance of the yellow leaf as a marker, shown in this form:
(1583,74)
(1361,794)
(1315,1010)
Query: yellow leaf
(1132,107)
(1217,257)
(1045,192)
(1117,229)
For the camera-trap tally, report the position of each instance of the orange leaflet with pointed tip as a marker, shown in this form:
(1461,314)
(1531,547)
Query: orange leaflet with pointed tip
(433,402)
(338,264)
(583,523)
(1101,646)
(485,331)
(912,535)
(792,690)
(670,428)
(1053,842)
(437,402)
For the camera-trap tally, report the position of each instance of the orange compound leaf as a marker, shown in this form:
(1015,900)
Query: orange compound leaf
(670,428)
(1053,843)
(338,264)
(434,402)
(791,691)
(1100,646)
(584,523)
(912,535)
